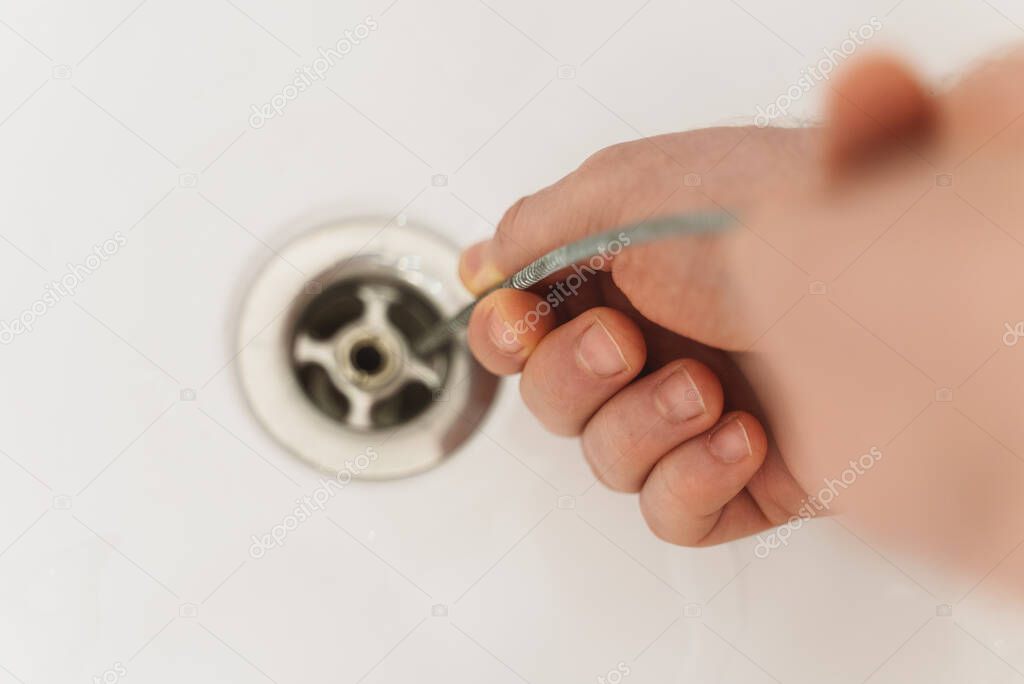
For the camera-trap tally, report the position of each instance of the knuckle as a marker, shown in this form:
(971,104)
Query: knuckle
(605,458)
(607,157)
(674,480)
(546,404)
(511,222)
(663,528)
(625,160)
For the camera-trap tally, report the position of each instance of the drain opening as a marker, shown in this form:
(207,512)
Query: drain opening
(313,389)
(352,352)
(367,358)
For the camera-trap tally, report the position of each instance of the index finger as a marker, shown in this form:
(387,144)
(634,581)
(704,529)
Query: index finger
(631,182)
(618,184)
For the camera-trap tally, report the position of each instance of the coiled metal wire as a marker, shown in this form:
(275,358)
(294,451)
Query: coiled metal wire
(602,244)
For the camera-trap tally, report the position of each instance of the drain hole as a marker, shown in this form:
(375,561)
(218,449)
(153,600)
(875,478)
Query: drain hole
(367,358)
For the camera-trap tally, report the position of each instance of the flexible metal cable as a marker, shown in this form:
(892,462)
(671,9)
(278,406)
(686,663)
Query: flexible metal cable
(605,245)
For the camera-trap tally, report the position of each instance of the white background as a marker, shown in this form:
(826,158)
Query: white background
(128,513)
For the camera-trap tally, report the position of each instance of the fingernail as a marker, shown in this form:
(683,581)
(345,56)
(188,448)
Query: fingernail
(677,398)
(598,353)
(501,333)
(729,442)
(476,270)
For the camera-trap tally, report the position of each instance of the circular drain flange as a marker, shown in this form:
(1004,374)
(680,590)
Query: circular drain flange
(326,356)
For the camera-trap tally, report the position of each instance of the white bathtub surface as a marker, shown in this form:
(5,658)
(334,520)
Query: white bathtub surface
(133,479)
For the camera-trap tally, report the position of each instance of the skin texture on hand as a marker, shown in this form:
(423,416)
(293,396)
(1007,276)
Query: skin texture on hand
(617,363)
(845,330)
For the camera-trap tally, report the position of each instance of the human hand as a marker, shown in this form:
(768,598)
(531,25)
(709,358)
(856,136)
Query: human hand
(634,353)
(650,357)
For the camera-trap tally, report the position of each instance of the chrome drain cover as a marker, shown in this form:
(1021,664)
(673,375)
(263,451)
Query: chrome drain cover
(327,363)
(351,352)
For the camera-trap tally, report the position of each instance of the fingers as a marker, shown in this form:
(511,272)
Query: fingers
(873,104)
(532,226)
(620,183)
(695,496)
(661,435)
(680,284)
(579,366)
(648,419)
(569,371)
(632,181)
(505,328)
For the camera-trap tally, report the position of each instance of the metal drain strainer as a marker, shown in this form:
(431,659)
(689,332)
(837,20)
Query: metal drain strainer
(327,361)
(352,352)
